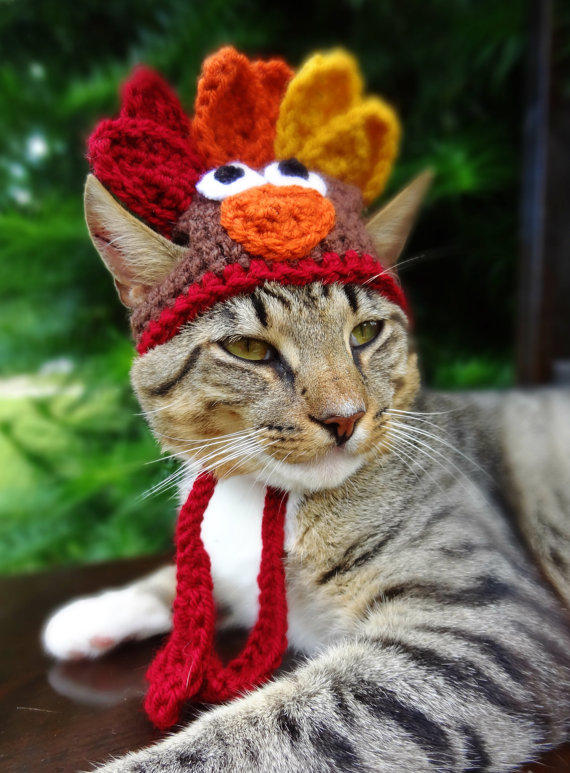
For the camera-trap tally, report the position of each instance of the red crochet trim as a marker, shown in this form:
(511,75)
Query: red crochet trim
(187,666)
(351,268)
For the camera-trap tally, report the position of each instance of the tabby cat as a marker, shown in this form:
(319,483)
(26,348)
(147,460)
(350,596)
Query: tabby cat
(426,535)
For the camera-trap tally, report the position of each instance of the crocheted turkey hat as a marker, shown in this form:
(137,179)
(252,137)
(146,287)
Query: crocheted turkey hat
(266,182)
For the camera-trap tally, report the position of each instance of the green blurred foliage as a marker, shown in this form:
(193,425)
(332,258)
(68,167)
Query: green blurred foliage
(74,460)
(73,452)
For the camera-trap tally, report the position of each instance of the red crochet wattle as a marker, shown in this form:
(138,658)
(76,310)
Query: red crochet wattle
(187,666)
(351,267)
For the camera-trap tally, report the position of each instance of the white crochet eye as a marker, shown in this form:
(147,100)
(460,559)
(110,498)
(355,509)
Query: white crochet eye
(293,172)
(228,180)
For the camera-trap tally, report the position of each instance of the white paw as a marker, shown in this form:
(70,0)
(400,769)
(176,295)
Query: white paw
(91,626)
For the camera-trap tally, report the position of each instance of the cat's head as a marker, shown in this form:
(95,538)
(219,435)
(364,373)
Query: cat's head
(272,338)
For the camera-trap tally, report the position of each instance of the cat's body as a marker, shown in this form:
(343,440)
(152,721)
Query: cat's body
(276,354)
(434,640)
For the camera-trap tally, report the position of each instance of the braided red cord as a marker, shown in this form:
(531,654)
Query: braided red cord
(351,267)
(187,666)
(267,641)
(178,669)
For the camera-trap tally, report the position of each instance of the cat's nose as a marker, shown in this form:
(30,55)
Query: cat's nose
(342,427)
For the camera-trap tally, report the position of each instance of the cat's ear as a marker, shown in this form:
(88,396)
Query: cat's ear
(137,257)
(391,226)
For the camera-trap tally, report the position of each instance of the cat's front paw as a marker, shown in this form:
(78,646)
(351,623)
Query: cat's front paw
(89,627)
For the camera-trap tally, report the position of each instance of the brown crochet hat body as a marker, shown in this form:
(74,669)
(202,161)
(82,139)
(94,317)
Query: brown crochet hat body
(211,249)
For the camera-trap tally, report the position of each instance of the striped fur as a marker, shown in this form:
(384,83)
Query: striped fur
(443,648)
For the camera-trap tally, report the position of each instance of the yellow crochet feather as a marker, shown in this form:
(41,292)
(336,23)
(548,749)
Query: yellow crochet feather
(326,85)
(325,122)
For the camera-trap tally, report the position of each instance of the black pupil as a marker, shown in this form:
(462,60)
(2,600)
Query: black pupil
(228,174)
(293,168)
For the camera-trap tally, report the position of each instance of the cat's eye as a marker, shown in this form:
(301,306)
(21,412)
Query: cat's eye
(293,172)
(365,332)
(250,349)
(227,180)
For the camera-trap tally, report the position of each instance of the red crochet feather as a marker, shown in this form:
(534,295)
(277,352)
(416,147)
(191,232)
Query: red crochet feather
(145,157)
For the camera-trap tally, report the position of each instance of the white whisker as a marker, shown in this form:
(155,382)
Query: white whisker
(421,419)
(251,455)
(221,448)
(270,461)
(262,471)
(375,277)
(219,439)
(223,455)
(278,463)
(424,413)
(155,410)
(419,446)
(408,461)
(414,258)
(414,461)
(241,445)
(242,434)
(172,480)
(168,457)
(453,448)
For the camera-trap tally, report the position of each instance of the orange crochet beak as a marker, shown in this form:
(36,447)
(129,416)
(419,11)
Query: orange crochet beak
(278,222)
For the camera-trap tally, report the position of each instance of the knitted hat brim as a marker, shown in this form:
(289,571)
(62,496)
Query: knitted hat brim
(349,268)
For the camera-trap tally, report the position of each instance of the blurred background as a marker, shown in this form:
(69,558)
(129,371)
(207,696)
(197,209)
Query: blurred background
(75,456)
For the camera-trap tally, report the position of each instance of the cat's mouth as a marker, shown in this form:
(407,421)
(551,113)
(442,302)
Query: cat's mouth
(325,472)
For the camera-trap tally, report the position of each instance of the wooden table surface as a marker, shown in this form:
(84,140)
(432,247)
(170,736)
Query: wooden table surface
(63,718)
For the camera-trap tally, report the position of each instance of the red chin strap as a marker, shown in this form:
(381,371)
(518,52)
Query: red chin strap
(187,667)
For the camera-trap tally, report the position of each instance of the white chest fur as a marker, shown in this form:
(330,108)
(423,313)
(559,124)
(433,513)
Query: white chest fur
(231,532)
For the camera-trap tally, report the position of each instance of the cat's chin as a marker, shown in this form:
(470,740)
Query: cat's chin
(326,472)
